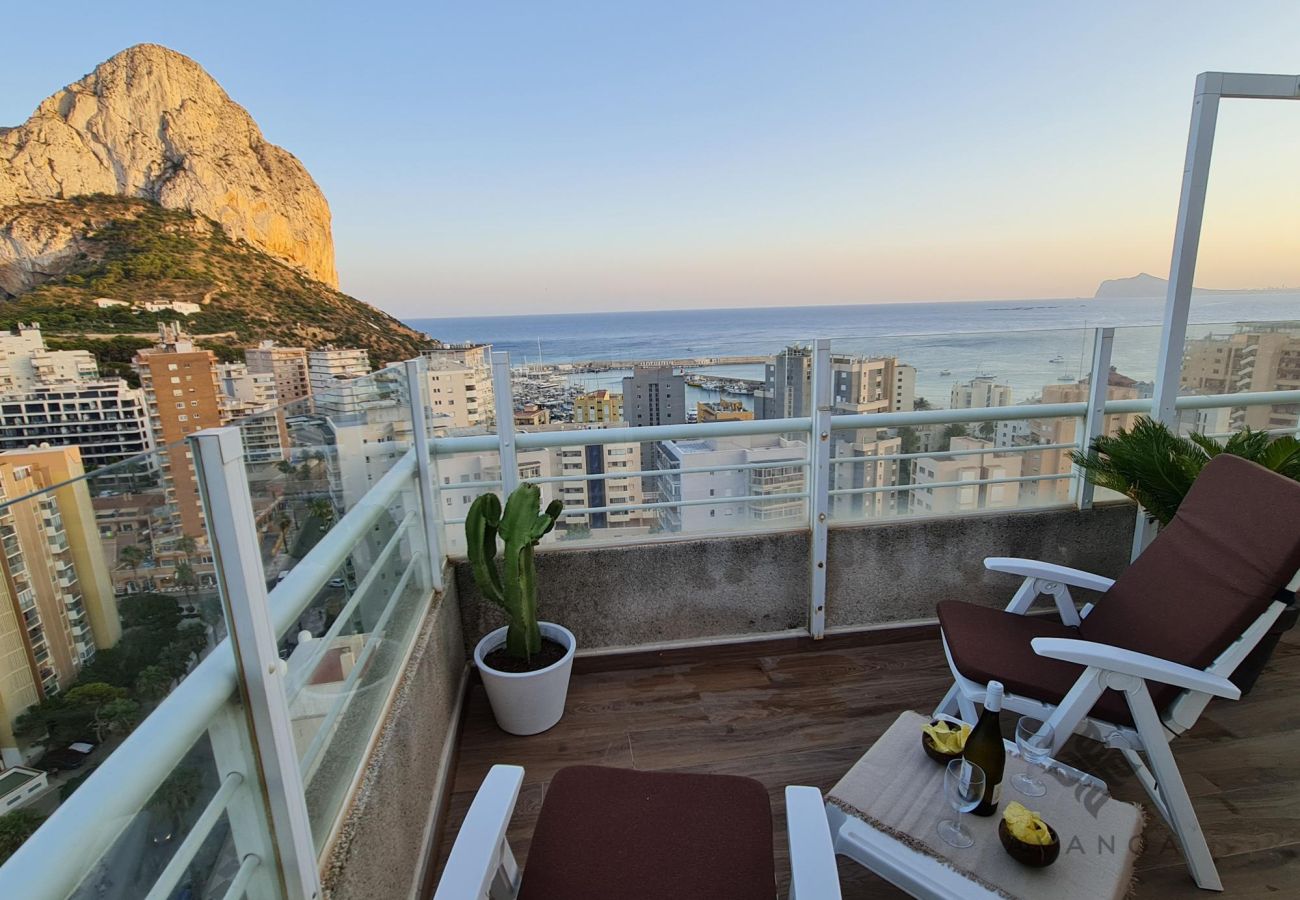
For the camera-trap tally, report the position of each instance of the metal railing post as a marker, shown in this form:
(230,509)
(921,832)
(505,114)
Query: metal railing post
(232,530)
(232,751)
(1094,422)
(819,490)
(503,398)
(416,385)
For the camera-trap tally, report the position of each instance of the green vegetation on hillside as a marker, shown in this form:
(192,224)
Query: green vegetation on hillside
(134,250)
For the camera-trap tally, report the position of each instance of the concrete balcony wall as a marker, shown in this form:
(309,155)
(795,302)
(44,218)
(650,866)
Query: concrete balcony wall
(383,842)
(733,586)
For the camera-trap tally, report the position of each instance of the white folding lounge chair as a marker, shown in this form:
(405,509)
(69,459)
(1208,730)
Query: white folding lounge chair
(637,835)
(1138,668)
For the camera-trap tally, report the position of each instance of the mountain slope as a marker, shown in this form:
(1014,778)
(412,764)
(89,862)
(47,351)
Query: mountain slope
(74,251)
(150,123)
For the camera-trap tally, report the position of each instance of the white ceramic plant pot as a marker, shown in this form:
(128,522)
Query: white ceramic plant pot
(527,702)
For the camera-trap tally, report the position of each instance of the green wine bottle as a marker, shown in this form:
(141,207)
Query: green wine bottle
(985,749)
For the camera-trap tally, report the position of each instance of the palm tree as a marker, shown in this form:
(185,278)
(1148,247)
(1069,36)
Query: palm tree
(131,556)
(323,510)
(177,794)
(1152,465)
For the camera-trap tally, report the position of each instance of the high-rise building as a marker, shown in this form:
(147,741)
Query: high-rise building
(287,364)
(1261,356)
(859,385)
(779,472)
(251,402)
(477,384)
(331,364)
(940,501)
(865,446)
(183,392)
(722,411)
(105,418)
(1067,431)
(56,601)
(600,407)
(25,363)
(456,394)
(654,395)
(980,392)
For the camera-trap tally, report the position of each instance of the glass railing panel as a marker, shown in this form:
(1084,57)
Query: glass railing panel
(348,649)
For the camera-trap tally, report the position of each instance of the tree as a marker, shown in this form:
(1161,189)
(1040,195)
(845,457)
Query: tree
(988,430)
(951,432)
(177,794)
(175,660)
(152,683)
(153,612)
(121,715)
(286,530)
(186,578)
(55,717)
(285,467)
(921,403)
(15,828)
(98,698)
(323,510)
(131,556)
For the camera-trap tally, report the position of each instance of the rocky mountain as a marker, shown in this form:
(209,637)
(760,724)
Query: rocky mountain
(144,181)
(1140,285)
(152,124)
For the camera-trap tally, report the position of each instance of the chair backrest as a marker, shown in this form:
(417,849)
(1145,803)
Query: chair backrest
(1211,572)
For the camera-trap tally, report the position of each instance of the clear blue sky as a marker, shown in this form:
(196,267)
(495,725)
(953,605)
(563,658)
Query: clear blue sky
(507,157)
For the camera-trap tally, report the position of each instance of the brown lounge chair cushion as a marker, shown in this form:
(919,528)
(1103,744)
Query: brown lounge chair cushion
(1210,573)
(632,835)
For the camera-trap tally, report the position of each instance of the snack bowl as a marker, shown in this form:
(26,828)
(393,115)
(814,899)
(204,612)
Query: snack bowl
(1036,856)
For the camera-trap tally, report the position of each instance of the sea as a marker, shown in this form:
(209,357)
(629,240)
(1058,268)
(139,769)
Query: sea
(1024,343)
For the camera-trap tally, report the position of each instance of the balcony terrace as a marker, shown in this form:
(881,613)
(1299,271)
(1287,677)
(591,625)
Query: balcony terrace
(336,741)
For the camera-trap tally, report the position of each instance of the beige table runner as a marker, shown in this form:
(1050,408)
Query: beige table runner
(896,788)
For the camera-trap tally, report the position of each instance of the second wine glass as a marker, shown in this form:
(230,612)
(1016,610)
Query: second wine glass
(1034,738)
(963,788)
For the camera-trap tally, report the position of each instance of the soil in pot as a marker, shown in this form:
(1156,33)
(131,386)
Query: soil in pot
(551,653)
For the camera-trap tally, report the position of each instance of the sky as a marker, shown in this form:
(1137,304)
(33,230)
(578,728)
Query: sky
(511,157)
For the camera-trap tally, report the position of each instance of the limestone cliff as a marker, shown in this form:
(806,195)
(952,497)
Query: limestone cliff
(150,123)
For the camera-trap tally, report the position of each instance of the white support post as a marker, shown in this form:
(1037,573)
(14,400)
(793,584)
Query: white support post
(417,385)
(503,398)
(1103,341)
(819,497)
(232,530)
(232,751)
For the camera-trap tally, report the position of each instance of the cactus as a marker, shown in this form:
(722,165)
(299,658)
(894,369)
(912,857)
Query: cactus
(521,526)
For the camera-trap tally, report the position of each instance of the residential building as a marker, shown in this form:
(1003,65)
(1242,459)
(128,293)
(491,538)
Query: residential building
(183,393)
(287,364)
(745,498)
(603,495)
(25,363)
(951,499)
(332,364)
(1068,431)
(106,419)
(183,307)
(654,395)
(530,414)
(56,601)
(722,411)
(600,407)
(251,403)
(868,471)
(859,385)
(456,395)
(477,385)
(981,392)
(462,468)
(1259,357)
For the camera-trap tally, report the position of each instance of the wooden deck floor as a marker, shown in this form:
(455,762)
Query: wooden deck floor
(797,713)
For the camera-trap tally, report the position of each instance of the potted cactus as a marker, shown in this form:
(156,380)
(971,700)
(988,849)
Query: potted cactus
(525,665)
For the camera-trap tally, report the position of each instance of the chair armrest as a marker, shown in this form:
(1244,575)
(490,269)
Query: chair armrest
(1032,568)
(1140,665)
(476,857)
(813,871)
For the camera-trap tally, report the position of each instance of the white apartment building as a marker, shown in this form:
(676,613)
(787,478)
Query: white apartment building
(780,474)
(865,447)
(859,385)
(58,398)
(252,404)
(331,364)
(981,392)
(26,364)
(953,499)
(477,383)
(455,396)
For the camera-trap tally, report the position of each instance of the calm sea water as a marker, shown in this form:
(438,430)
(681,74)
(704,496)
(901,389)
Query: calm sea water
(1014,340)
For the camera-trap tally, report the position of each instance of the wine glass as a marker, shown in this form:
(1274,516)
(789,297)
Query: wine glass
(963,788)
(1034,738)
